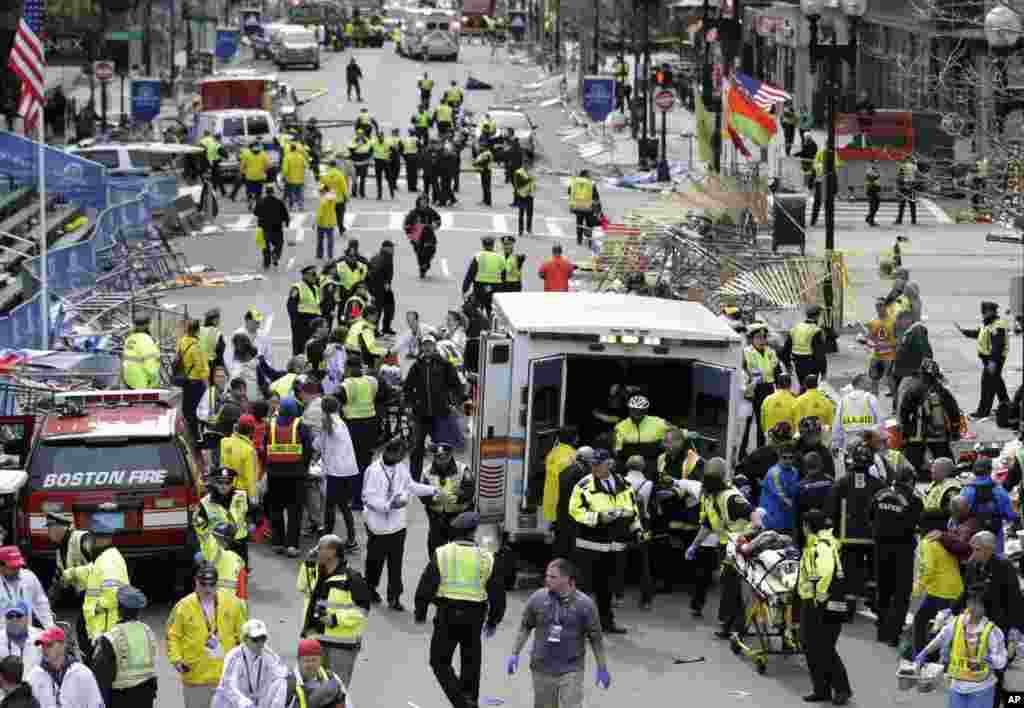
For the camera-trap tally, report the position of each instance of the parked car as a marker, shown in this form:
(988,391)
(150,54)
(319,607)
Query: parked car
(296,46)
(506,117)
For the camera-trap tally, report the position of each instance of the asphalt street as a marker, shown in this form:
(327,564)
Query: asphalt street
(393,670)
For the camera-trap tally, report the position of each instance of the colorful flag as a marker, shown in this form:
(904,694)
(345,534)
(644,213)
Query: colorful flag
(737,141)
(705,131)
(764,95)
(747,119)
(29,63)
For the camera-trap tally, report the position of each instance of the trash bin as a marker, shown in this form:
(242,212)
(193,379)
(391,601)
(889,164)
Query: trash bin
(789,217)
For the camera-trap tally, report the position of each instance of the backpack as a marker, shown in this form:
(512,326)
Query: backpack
(178,372)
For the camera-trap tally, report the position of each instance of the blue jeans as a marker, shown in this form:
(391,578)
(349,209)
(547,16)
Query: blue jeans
(294,195)
(981,699)
(325,235)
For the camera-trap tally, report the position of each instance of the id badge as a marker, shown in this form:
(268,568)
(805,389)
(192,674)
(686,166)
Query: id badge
(213,648)
(859,480)
(555,635)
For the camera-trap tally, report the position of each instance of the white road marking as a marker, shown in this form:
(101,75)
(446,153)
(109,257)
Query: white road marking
(444,269)
(395,221)
(447,219)
(268,324)
(350,219)
(940,216)
(291,262)
(554,228)
(242,222)
(500,223)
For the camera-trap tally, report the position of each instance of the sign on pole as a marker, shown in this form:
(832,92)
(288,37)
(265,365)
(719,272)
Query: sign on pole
(665,100)
(145,99)
(103,70)
(598,96)
(228,40)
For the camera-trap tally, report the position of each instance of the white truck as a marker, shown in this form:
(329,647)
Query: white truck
(550,360)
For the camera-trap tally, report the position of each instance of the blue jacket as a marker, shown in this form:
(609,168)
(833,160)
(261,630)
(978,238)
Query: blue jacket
(1001,500)
(780,483)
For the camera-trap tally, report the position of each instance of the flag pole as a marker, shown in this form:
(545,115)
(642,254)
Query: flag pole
(44,267)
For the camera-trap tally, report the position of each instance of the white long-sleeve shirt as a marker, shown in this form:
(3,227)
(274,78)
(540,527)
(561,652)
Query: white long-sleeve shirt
(264,345)
(840,432)
(206,407)
(382,484)
(77,688)
(25,587)
(246,370)
(249,681)
(337,454)
(30,654)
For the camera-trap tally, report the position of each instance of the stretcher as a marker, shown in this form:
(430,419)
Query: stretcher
(771,624)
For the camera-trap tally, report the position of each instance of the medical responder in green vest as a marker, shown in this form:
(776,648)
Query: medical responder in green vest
(426,87)
(223,504)
(140,358)
(484,274)
(463,582)
(873,190)
(761,364)
(336,606)
(68,540)
(211,338)
(362,338)
(944,486)
(906,185)
(640,434)
(303,308)
(100,578)
(421,124)
(723,511)
(582,198)
(231,573)
(512,277)
(484,163)
(442,118)
(524,186)
(380,146)
(124,657)
(993,346)
(410,155)
(821,617)
(457,494)
(622,88)
(807,347)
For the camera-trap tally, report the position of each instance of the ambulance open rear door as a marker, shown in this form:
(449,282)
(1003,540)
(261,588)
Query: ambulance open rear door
(494,447)
(545,416)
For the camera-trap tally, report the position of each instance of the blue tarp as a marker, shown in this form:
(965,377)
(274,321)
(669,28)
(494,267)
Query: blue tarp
(81,181)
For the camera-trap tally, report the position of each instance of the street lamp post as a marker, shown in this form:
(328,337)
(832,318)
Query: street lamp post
(833,55)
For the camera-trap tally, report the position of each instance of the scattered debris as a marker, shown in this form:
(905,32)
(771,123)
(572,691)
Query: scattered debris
(689,660)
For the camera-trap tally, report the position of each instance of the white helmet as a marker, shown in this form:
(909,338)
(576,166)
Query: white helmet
(639,403)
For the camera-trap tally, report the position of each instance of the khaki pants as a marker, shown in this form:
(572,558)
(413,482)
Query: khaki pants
(198,695)
(562,691)
(341,660)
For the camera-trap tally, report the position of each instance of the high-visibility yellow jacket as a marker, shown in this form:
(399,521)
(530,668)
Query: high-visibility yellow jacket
(813,403)
(193,359)
(350,619)
(777,408)
(560,457)
(581,194)
(74,557)
(589,499)
(188,631)
(802,336)
(360,398)
(454,487)
(237,453)
(326,215)
(716,513)
(336,181)
(140,361)
(256,167)
(818,565)
(349,277)
(215,514)
(293,167)
(465,569)
(101,579)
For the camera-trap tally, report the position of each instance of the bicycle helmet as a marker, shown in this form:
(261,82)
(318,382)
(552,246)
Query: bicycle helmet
(809,425)
(781,433)
(639,403)
(859,455)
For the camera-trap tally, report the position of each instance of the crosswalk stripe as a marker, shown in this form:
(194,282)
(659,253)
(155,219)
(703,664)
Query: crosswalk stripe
(447,220)
(350,219)
(554,229)
(500,224)
(395,221)
(299,219)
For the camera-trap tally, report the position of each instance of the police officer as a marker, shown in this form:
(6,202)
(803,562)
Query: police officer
(140,358)
(211,338)
(443,119)
(873,189)
(421,124)
(485,274)
(467,585)
(524,187)
(582,198)
(101,577)
(604,508)
(761,364)
(304,308)
(359,152)
(231,573)
(943,487)
(455,481)
(622,87)
(381,149)
(512,277)
(906,184)
(484,163)
(358,397)
(222,504)
(124,657)
(68,540)
(410,153)
(895,511)
(426,87)
(808,347)
(993,348)
(488,131)
(337,603)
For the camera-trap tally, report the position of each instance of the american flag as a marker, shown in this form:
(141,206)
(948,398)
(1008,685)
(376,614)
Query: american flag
(28,62)
(764,95)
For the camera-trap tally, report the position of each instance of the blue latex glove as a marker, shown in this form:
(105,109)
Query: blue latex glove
(512,664)
(604,679)
(489,631)
(921,658)
(691,553)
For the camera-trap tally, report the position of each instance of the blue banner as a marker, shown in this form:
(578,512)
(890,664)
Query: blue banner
(251,20)
(145,99)
(227,43)
(26,325)
(598,96)
(70,268)
(81,181)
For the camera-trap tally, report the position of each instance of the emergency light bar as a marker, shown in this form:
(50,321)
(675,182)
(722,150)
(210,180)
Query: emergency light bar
(631,339)
(147,395)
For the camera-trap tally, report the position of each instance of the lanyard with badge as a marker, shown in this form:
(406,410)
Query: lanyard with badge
(248,675)
(11,596)
(213,647)
(555,632)
(57,682)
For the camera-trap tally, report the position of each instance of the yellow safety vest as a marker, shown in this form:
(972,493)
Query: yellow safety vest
(650,430)
(256,167)
(349,29)
(212,147)
(381,149)
(443,114)
(451,96)
(581,194)
(959,668)
(810,577)
(803,336)
(426,85)
(293,167)
(75,555)
(337,182)
(512,272)
(937,490)
(764,361)
(489,267)
(286,452)
(208,338)
(349,277)
(216,514)
(985,338)
(309,298)
(423,119)
(359,333)
(523,182)
(484,161)
(134,647)
(465,569)
(410,146)
(716,513)
(351,619)
(359,151)
(140,361)
(300,689)
(488,127)
(449,502)
(229,569)
(856,413)
(906,171)
(360,397)
(814,404)
(102,579)
(621,72)
(283,386)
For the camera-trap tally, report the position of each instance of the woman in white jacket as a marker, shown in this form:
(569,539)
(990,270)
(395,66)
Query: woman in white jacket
(338,460)
(244,365)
